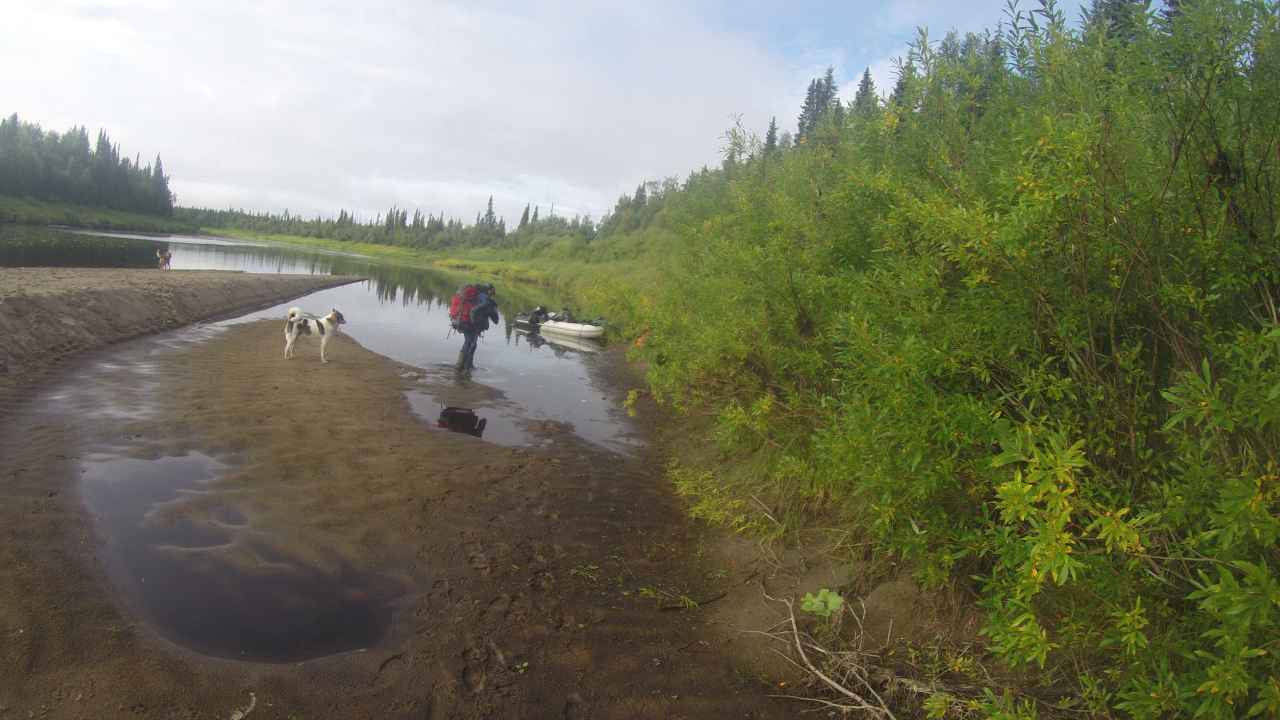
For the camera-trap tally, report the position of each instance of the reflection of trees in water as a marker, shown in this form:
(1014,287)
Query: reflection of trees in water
(392,283)
(22,245)
(411,286)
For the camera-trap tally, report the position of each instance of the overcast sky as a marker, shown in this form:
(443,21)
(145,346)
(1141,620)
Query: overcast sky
(319,106)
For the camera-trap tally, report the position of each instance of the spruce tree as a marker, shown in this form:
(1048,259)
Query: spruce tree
(771,137)
(808,112)
(865,102)
(490,220)
(902,87)
(1119,18)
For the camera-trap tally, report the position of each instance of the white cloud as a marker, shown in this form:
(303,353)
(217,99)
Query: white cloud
(267,105)
(368,105)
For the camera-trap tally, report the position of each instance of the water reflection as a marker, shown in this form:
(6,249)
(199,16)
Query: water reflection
(462,420)
(559,345)
(27,246)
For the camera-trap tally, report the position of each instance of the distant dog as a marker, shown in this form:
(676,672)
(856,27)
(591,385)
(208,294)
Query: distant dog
(163,258)
(299,323)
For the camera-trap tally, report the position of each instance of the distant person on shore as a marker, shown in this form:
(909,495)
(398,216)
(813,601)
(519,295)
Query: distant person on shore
(164,258)
(472,309)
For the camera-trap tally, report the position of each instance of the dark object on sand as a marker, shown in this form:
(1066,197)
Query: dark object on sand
(463,420)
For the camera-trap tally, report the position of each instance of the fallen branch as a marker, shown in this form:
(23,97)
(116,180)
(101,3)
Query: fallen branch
(880,708)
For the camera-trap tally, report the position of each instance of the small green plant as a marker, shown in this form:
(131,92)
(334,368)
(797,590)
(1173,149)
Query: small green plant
(521,667)
(825,604)
(630,403)
(586,572)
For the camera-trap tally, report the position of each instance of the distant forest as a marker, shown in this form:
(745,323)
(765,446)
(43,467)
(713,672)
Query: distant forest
(52,166)
(397,227)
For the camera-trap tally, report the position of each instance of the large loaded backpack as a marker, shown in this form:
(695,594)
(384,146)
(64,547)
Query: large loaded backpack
(460,307)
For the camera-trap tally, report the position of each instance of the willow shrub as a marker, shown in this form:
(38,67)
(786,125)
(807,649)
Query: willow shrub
(1020,325)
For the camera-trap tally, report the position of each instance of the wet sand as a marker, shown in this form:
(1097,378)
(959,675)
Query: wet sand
(524,583)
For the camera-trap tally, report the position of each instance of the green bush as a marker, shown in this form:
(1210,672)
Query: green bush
(1020,325)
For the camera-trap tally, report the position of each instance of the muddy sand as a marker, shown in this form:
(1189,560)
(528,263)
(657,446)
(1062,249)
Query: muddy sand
(495,582)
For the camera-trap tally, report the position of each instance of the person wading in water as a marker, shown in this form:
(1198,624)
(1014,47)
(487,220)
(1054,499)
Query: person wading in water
(472,309)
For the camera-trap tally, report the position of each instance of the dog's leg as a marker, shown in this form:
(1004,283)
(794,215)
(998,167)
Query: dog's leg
(324,341)
(288,348)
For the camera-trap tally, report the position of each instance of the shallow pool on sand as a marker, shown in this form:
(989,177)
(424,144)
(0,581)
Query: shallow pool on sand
(187,557)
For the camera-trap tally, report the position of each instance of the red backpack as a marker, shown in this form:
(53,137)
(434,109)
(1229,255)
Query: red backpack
(461,305)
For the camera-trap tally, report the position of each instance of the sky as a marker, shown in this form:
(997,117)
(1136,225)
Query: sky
(437,106)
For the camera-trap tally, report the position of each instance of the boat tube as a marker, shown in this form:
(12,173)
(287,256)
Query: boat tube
(571,329)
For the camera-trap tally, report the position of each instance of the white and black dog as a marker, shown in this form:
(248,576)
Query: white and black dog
(299,323)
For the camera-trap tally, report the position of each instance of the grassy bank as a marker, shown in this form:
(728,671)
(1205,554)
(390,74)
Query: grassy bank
(29,211)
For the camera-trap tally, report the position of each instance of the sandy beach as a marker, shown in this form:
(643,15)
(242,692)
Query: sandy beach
(520,582)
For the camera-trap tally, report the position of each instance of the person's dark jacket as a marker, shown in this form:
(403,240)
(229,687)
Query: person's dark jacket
(484,311)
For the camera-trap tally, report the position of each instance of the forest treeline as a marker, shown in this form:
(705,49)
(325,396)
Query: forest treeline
(52,166)
(1017,324)
(397,227)
(534,233)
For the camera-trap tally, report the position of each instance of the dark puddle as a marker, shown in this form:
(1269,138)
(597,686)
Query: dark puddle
(486,423)
(183,555)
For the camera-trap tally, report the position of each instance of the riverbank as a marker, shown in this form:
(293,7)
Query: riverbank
(30,211)
(50,314)
(550,582)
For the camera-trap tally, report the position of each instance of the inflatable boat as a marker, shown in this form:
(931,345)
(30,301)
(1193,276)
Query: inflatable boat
(571,329)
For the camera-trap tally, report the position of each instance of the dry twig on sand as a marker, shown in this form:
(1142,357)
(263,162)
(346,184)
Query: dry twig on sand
(854,701)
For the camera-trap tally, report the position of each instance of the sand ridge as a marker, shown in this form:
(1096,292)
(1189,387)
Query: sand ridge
(49,314)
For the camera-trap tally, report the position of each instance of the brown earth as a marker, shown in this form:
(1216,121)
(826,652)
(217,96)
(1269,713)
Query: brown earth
(536,583)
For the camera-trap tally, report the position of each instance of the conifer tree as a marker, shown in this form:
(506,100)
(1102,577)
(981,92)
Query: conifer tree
(771,137)
(820,99)
(808,112)
(490,220)
(902,87)
(866,102)
(1119,18)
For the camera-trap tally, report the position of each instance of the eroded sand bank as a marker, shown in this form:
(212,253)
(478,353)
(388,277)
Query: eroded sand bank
(48,314)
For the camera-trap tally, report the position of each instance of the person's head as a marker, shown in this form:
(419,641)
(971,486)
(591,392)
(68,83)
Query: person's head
(490,289)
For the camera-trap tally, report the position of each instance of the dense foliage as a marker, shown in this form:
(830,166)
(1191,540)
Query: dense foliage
(52,166)
(1020,324)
